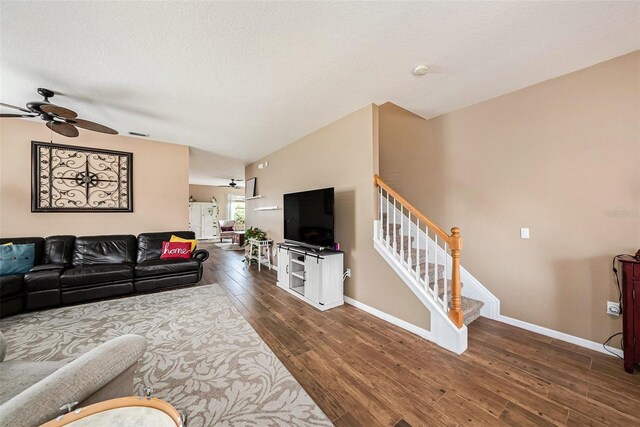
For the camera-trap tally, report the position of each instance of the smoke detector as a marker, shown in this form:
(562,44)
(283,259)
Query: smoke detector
(420,70)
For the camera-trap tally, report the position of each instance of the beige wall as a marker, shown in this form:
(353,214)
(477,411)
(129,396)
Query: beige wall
(160,185)
(339,155)
(562,158)
(203,193)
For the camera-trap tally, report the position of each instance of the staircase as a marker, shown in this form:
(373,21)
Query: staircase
(428,261)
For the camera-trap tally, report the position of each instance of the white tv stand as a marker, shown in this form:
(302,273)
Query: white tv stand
(316,277)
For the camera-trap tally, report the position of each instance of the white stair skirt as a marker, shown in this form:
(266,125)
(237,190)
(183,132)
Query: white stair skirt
(443,331)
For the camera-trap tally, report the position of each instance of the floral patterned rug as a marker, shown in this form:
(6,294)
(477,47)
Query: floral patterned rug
(202,356)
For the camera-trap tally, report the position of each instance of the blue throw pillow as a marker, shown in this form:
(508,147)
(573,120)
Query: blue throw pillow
(16,259)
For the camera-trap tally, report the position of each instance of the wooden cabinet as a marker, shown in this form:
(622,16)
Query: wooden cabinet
(203,219)
(315,277)
(631,311)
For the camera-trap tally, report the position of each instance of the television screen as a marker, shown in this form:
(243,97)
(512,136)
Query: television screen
(308,217)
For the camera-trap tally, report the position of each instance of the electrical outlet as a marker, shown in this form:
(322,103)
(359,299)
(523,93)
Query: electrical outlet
(524,233)
(613,308)
(348,273)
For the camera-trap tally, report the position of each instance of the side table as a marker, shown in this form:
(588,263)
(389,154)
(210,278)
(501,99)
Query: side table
(263,252)
(238,238)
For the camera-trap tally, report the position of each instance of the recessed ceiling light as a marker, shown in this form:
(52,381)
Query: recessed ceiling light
(420,70)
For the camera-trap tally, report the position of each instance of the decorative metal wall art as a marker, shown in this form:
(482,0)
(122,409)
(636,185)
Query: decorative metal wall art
(80,179)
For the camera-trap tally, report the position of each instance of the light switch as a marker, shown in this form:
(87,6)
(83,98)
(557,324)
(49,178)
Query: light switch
(524,233)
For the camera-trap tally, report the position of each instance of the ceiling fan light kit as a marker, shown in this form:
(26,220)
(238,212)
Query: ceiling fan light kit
(232,184)
(59,119)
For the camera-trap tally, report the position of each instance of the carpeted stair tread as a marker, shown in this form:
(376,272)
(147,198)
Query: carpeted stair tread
(391,227)
(441,287)
(418,257)
(470,308)
(402,243)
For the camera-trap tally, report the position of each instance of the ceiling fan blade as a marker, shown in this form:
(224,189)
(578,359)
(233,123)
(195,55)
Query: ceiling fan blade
(96,127)
(15,108)
(64,129)
(59,111)
(15,115)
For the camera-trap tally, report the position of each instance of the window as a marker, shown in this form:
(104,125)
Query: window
(236,210)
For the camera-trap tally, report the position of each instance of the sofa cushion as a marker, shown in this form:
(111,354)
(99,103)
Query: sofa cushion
(176,250)
(90,250)
(95,274)
(150,244)
(102,373)
(38,243)
(16,376)
(16,259)
(58,250)
(194,242)
(42,280)
(11,285)
(47,267)
(159,267)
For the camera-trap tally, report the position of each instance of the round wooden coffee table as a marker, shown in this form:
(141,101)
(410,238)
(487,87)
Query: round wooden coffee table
(125,411)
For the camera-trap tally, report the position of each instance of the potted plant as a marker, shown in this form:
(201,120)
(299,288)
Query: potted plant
(253,233)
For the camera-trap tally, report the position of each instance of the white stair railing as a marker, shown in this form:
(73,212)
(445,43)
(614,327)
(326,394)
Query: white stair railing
(405,233)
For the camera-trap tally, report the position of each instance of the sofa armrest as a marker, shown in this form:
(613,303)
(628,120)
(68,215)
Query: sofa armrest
(200,254)
(75,382)
(42,280)
(47,267)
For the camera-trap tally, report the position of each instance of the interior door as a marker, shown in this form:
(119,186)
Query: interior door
(195,219)
(208,217)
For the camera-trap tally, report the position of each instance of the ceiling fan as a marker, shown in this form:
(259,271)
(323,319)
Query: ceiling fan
(59,119)
(232,184)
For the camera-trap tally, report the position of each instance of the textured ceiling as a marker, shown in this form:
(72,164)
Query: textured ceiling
(207,168)
(244,79)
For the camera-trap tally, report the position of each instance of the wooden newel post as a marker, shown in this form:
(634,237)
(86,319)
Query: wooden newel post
(455,313)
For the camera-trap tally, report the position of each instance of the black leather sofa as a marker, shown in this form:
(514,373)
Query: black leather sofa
(70,270)
(12,287)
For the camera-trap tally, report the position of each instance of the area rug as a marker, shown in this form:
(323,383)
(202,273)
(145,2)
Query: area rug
(202,356)
(230,247)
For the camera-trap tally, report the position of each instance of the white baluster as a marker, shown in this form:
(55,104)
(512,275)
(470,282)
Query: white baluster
(426,260)
(381,231)
(435,265)
(394,228)
(445,303)
(435,270)
(418,249)
(409,247)
(401,232)
(387,209)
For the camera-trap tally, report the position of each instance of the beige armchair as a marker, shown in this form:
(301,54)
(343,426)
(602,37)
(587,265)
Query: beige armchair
(226,223)
(32,393)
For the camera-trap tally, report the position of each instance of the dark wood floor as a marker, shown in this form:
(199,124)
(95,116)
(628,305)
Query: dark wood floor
(364,371)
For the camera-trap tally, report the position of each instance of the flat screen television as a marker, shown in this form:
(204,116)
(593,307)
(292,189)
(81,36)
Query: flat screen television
(308,218)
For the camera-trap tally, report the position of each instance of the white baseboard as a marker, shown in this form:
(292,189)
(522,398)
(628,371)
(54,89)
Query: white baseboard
(592,345)
(391,319)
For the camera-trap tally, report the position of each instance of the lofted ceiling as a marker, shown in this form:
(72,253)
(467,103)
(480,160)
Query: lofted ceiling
(243,79)
(207,168)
